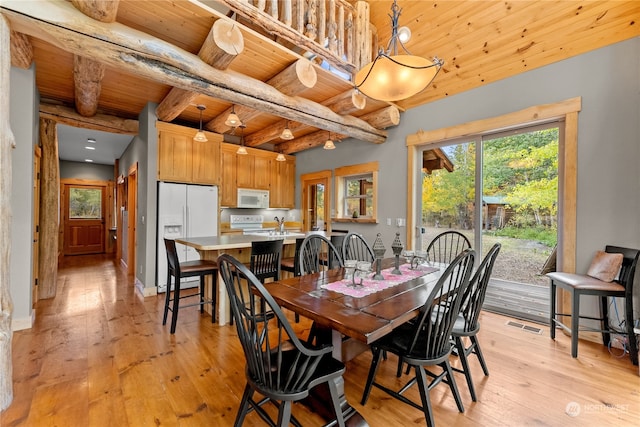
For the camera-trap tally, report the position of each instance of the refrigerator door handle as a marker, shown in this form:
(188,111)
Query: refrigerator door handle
(188,222)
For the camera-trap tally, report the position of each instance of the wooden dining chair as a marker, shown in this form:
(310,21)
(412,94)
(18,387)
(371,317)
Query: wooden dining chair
(313,249)
(595,283)
(357,248)
(426,343)
(179,270)
(279,367)
(446,246)
(264,260)
(467,325)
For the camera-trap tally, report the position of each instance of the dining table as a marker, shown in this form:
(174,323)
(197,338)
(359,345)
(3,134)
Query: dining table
(357,314)
(355,311)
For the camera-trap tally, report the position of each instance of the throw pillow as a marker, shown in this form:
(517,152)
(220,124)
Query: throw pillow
(605,266)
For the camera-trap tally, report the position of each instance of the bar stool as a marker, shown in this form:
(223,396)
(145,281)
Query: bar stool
(265,260)
(179,270)
(290,264)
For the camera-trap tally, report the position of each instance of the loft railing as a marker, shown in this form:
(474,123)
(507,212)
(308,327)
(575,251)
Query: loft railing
(333,30)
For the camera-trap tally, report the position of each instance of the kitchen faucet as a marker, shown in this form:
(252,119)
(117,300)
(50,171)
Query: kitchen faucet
(280,222)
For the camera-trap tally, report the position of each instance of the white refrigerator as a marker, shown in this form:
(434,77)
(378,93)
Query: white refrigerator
(184,210)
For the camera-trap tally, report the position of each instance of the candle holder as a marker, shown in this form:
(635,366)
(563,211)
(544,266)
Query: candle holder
(378,252)
(397,247)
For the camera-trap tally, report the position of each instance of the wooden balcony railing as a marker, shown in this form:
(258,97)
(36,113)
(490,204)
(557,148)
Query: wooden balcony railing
(334,30)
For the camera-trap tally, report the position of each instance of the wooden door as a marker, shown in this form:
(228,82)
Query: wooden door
(132,206)
(84,218)
(35,250)
(316,200)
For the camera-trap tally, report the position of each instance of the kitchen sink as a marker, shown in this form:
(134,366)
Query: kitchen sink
(274,234)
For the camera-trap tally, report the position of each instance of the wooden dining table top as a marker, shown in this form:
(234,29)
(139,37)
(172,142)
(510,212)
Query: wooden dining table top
(366,318)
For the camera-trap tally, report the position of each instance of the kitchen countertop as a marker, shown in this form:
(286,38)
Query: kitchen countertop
(230,241)
(239,241)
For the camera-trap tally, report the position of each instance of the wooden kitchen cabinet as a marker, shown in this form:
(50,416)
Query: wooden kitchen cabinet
(229,187)
(256,170)
(181,159)
(283,179)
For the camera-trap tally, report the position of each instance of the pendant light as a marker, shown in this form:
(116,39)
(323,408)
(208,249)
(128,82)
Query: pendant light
(232,119)
(281,158)
(241,149)
(200,136)
(286,133)
(393,77)
(329,145)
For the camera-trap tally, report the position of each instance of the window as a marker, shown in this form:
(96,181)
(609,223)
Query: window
(85,203)
(356,193)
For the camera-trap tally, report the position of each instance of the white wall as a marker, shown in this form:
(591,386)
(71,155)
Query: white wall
(24,101)
(608,199)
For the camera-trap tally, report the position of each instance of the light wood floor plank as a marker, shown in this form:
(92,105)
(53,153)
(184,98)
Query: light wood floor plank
(98,355)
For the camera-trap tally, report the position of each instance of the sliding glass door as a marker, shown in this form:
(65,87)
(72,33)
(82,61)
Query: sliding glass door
(499,188)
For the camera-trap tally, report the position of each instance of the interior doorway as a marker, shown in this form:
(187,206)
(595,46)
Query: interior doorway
(83,216)
(35,246)
(132,206)
(316,201)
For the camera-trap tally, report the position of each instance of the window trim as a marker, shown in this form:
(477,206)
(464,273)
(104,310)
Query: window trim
(566,111)
(341,174)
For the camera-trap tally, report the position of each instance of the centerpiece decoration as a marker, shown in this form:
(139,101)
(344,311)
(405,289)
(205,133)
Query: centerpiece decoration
(378,252)
(397,247)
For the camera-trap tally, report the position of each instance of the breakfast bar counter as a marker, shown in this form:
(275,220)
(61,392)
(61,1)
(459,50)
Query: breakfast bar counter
(238,246)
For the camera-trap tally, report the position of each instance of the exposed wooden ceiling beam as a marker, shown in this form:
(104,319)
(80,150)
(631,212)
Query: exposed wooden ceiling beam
(87,73)
(223,44)
(343,103)
(21,50)
(294,79)
(136,52)
(102,122)
(308,141)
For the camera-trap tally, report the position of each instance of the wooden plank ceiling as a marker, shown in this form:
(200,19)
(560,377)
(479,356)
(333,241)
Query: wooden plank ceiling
(480,42)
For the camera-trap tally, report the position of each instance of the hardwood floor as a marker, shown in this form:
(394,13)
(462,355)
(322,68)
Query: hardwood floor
(98,355)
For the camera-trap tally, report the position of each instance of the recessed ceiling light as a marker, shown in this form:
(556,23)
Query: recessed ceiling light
(88,160)
(90,148)
(91,140)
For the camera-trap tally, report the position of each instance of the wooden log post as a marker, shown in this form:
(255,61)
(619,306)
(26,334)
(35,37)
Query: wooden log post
(49,210)
(6,142)
(362,36)
(87,73)
(223,44)
(21,50)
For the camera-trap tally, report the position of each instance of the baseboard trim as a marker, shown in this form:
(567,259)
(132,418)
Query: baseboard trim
(23,322)
(145,291)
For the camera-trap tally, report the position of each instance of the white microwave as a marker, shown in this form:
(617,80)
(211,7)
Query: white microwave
(256,199)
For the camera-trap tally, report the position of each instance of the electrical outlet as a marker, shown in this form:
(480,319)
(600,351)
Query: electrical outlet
(398,222)
(388,221)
